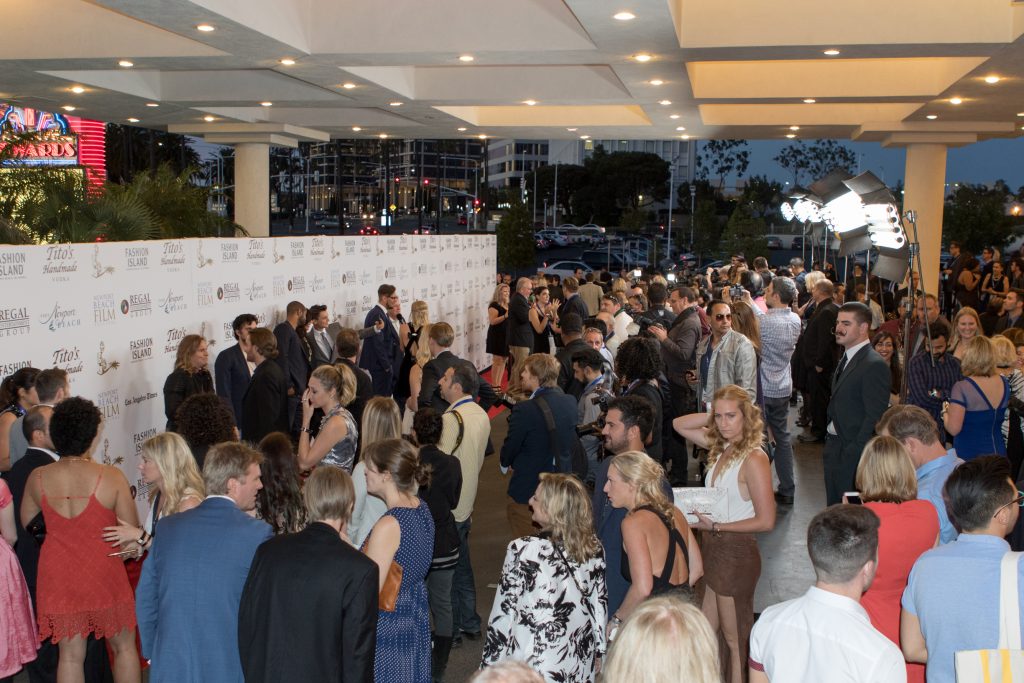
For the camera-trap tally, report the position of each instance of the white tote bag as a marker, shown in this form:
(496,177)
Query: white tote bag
(1005,664)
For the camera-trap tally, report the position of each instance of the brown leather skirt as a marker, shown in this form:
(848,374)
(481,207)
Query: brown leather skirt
(732,564)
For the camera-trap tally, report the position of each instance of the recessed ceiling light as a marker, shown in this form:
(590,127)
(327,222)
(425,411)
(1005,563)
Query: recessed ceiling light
(209,119)
(685,137)
(126,64)
(133,120)
(790,135)
(665,103)
(466,58)
(462,129)
(955,100)
(584,137)
(288,61)
(1020,113)
(624,16)
(383,136)
(152,104)
(78,90)
(991,80)
(572,130)
(68,107)
(482,136)
(794,127)
(831,52)
(810,100)
(348,86)
(642,57)
(931,117)
(656,81)
(529,103)
(266,104)
(680,127)
(673,116)
(395,104)
(205,28)
(356,128)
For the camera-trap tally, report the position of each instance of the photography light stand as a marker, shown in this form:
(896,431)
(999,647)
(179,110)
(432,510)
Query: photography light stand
(910,302)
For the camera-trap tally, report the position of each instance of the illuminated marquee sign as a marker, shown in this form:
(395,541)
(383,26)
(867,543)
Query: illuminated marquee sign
(59,140)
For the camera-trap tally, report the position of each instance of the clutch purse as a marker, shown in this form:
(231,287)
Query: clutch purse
(388,596)
(37,528)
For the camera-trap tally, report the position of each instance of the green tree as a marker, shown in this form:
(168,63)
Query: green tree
(762,195)
(722,158)
(131,150)
(516,247)
(707,230)
(975,216)
(793,158)
(618,181)
(570,179)
(634,220)
(816,160)
(745,233)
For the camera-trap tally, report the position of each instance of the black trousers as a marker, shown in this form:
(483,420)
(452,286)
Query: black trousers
(820,385)
(684,402)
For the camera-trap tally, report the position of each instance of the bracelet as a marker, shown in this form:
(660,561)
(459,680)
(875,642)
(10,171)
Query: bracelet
(306,430)
(615,620)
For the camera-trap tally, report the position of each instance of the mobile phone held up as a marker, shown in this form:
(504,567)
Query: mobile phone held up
(853,498)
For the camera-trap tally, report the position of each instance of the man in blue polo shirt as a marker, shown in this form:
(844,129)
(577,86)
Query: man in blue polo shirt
(916,430)
(951,602)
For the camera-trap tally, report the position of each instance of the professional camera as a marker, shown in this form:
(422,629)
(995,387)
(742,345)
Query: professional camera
(591,428)
(736,291)
(507,400)
(601,399)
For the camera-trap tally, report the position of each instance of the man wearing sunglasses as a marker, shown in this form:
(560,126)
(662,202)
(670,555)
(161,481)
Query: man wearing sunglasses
(951,602)
(725,357)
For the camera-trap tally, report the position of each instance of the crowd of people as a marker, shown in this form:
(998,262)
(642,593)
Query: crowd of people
(311,500)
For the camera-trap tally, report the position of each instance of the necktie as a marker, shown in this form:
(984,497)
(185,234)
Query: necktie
(839,370)
(325,344)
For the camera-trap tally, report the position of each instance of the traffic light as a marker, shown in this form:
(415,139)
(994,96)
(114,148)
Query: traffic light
(397,179)
(426,181)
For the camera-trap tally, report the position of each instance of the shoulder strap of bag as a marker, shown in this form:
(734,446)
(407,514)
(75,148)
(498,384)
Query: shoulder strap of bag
(1009,603)
(462,430)
(549,420)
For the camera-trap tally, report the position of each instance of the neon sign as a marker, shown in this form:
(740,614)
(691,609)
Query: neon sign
(58,140)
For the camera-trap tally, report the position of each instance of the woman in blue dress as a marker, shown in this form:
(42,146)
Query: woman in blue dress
(404,535)
(977,403)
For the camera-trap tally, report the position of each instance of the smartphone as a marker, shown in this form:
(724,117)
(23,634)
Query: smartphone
(853,498)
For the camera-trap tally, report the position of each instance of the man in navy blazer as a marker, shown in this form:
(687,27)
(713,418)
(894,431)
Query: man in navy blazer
(231,370)
(528,449)
(292,358)
(382,351)
(188,597)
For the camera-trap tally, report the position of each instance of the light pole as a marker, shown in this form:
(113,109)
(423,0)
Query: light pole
(671,200)
(554,203)
(693,200)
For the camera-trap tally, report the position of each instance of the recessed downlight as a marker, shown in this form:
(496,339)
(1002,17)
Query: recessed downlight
(572,130)
(680,127)
(656,81)
(992,80)
(266,104)
(584,137)
(78,90)
(396,104)
(810,100)
(664,103)
(462,129)
(383,136)
(209,119)
(288,61)
(931,117)
(205,28)
(348,86)
(126,64)
(685,137)
(356,128)
(794,127)
(68,107)
(642,57)
(790,135)
(673,116)
(466,58)
(482,136)
(152,104)
(831,52)
(132,120)
(956,100)
(624,16)
(529,103)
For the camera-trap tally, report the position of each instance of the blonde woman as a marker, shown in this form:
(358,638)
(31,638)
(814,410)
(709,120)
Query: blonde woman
(190,376)
(175,485)
(413,338)
(330,388)
(551,605)
(660,553)
(977,403)
(740,470)
(497,333)
(1008,366)
(416,380)
(811,280)
(665,640)
(380,422)
(966,326)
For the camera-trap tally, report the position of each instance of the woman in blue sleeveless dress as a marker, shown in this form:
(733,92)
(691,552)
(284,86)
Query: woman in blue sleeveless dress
(405,536)
(977,403)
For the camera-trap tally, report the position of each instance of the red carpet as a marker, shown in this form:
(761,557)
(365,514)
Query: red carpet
(498,409)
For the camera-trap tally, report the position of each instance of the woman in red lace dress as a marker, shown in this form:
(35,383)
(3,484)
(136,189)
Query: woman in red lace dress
(82,589)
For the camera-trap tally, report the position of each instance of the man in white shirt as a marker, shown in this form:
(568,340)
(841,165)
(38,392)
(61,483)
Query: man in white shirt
(826,635)
(621,320)
(465,433)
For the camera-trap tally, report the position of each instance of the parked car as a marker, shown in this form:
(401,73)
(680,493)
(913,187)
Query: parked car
(774,242)
(368,230)
(462,219)
(564,268)
(556,237)
(423,230)
(541,242)
(797,243)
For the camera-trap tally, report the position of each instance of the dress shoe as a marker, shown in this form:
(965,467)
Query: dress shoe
(783,499)
(810,438)
(472,635)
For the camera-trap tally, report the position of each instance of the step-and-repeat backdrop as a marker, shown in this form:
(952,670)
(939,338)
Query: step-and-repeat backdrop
(112,314)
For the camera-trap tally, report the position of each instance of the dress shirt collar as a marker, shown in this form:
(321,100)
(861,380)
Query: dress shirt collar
(836,601)
(932,465)
(47,451)
(217,495)
(982,540)
(852,351)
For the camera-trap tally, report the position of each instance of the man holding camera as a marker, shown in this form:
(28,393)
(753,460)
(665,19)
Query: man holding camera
(588,368)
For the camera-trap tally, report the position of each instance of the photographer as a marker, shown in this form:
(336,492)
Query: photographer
(638,365)
(572,336)
(659,312)
(588,367)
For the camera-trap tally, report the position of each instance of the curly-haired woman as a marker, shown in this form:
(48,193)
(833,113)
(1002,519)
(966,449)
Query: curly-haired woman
(279,502)
(190,376)
(740,470)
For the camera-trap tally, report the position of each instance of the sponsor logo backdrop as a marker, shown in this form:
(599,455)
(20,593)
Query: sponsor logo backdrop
(112,314)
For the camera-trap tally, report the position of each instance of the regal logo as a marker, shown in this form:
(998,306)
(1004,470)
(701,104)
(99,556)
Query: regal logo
(316,247)
(98,269)
(348,276)
(137,257)
(229,293)
(12,367)
(297,284)
(14,321)
(60,262)
(257,251)
(298,248)
(60,319)
(172,303)
(174,337)
(109,404)
(103,365)
(205,294)
(137,305)
(256,291)
(228,252)
(69,359)
(141,349)
(12,264)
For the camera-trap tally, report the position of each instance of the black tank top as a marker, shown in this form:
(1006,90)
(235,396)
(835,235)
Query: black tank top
(661,584)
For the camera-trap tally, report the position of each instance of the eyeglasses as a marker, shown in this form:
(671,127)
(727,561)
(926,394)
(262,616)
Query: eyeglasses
(1018,500)
(723,316)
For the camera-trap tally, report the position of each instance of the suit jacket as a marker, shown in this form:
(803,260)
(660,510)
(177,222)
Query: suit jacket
(574,304)
(679,349)
(566,377)
(528,449)
(430,388)
(265,404)
(859,398)
(231,374)
(364,390)
(317,355)
(520,331)
(26,549)
(382,353)
(309,611)
(819,347)
(188,597)
(291,357)
(1003,323)
(591,294)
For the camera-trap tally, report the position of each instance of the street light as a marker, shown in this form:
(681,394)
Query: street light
(693,200)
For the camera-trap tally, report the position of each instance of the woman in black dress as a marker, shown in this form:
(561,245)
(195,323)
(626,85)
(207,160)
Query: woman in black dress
(497,333)
(190,376)
(542,315)
(419,318)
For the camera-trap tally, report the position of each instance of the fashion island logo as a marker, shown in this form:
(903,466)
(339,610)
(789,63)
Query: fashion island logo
(137,305)
(172,303)
(229,292)
(297,285)
(139,438)
(69,358)
(139,398)
(316,247)
(351,306)
(141,349)
(257,251)
(137,257)
(103,366)
(60,262)
(298,248)
(11,367)
(60,319)
(98,269)
(205,294)
(256,291)
(173,256)
(14,321)
(229,252)
(12,264)
(109,404)
(174,337)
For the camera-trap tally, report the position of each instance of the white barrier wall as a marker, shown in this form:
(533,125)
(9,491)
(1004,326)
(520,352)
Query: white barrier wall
(112,314)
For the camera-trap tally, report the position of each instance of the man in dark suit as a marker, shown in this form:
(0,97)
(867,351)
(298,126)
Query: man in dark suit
(573,303)
(439,341)
(951,274)
(1013,311)
(292,359)
(572,335)
(819,354)
(320,342)
(188,597)
(860,394)
(520,331)
(313,591)
(346,345)
(382,350)
(528,449)
(231,369)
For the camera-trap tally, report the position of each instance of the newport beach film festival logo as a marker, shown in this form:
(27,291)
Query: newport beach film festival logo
(276,256)
(98,269)
(103,365)
(201,260)
(105,455)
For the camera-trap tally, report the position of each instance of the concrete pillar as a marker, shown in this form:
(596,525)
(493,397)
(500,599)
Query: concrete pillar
(925,193)
(252,187)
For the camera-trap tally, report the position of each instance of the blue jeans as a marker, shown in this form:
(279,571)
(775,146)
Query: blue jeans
(464,616)
(776,415)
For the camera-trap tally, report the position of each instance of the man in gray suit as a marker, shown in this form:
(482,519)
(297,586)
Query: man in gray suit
(318,338)
(860,394)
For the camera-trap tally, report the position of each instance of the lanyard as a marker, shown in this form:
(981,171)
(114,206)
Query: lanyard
(468,399)
(593,383)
